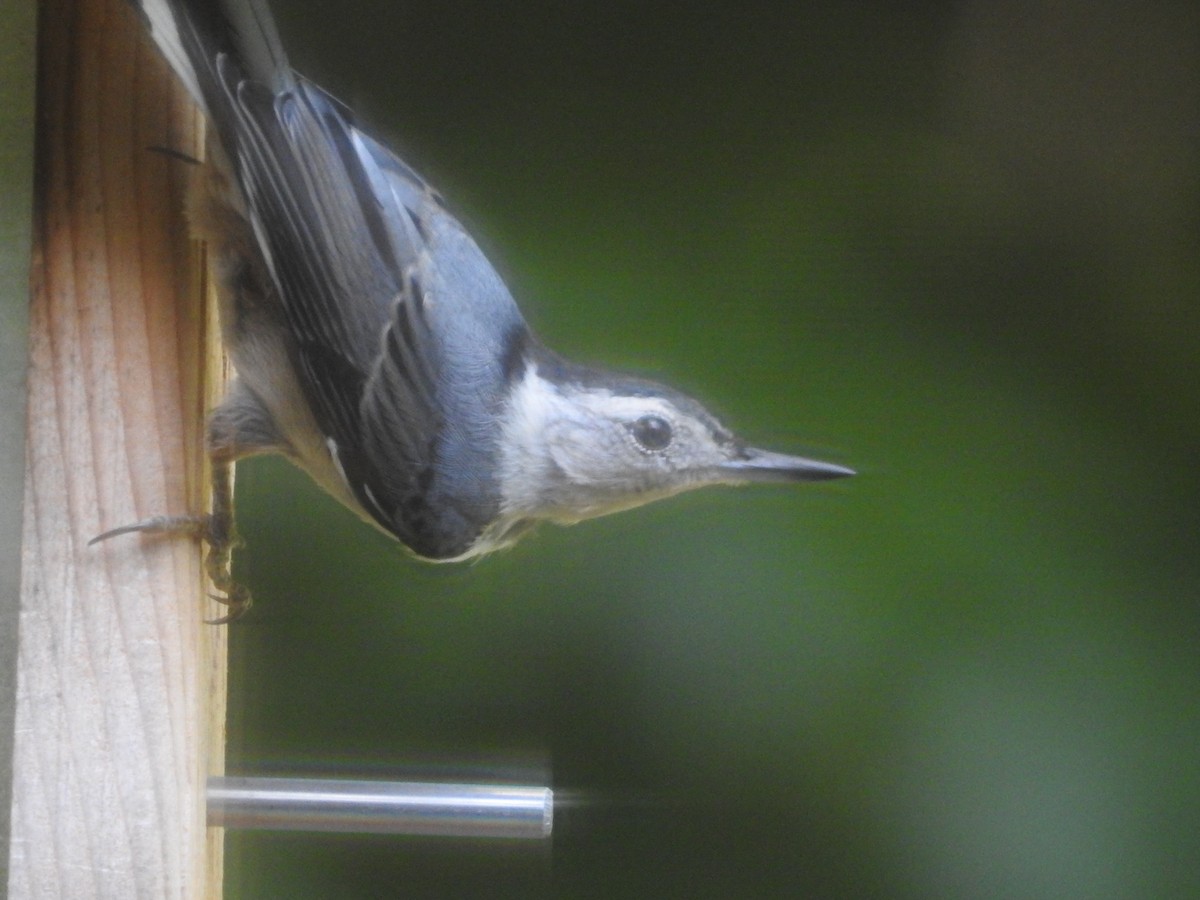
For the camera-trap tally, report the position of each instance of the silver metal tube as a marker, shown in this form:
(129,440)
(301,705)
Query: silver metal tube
(381,807)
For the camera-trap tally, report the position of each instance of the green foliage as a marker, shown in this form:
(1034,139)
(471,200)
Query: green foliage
(888,239)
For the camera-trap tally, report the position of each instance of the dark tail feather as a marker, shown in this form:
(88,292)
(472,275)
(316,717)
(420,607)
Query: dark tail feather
(194,34)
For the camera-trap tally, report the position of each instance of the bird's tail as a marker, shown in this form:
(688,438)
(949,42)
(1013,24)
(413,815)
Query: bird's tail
(201,38)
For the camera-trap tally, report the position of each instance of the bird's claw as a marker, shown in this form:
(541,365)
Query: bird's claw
(190,526)
(218,532)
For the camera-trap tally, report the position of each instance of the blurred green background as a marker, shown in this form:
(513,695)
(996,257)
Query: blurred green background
(953,245)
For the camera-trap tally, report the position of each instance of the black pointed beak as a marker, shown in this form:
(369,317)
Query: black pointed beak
(753,464)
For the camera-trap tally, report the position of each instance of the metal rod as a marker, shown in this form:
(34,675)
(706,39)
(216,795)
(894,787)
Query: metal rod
(381,807)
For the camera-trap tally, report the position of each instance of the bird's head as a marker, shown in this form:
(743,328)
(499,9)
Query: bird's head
(579,443)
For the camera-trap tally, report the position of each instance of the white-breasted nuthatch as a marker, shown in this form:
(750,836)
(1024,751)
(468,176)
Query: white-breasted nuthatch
(376,347)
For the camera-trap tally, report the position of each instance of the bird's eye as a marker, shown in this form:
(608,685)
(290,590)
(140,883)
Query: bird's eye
(653,433)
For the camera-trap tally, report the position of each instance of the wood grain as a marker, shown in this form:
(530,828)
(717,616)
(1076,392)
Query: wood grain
(121,686)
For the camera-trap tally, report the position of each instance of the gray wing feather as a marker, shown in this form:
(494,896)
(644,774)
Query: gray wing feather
(399,324)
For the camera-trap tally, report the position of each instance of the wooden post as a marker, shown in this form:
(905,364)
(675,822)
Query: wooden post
(18,28)
(120,685)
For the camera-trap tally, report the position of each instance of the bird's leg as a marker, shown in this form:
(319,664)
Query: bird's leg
(222,538)
(216,529)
